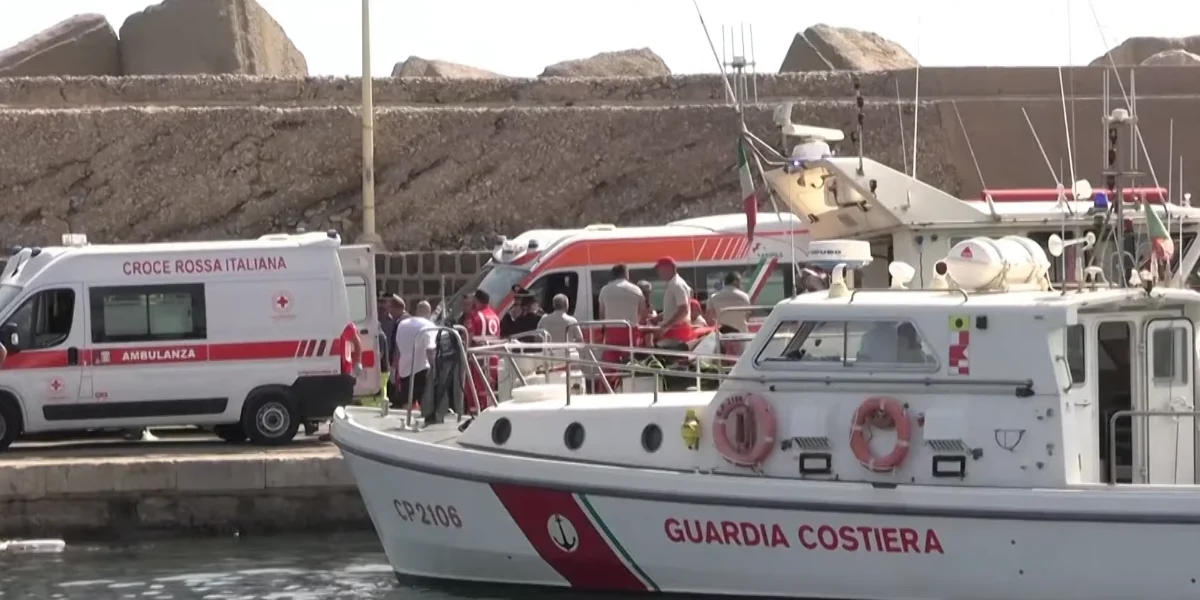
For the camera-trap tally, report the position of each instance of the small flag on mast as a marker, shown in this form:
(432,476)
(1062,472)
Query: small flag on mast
(749,198)
(1164,246)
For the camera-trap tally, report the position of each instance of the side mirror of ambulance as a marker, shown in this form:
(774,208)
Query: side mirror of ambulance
(12,340)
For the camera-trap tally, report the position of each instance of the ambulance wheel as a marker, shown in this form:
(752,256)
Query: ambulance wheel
(234,434)
(269,418)
(10,421)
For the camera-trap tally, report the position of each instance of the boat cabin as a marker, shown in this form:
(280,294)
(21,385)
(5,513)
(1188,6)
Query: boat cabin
(990,376)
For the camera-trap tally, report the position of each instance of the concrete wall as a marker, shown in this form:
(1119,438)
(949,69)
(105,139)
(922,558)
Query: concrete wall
(416,275)
(117,497)
(141,159)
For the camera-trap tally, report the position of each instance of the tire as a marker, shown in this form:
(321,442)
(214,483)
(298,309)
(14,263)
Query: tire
(233,434)
(10,422)
(269,418)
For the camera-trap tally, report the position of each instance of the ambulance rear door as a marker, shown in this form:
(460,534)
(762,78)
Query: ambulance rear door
(358,268)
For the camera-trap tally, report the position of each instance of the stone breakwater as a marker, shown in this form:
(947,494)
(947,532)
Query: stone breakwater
(170,158)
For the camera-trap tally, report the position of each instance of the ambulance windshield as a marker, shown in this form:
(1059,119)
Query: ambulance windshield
(496,280)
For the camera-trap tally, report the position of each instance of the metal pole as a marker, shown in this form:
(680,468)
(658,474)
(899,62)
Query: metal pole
(369,235)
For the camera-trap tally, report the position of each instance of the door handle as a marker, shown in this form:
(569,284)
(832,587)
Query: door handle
(72,356)
(363,331)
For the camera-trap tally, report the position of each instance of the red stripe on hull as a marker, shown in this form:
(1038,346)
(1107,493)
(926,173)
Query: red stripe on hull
(581,554)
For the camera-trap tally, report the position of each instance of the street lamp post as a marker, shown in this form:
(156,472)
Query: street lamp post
(369,235)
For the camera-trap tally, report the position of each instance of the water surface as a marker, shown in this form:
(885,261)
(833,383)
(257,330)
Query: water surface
(276,568)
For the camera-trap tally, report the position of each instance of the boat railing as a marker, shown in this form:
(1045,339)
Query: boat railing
(464,357)
(1138,453)
(576,353)
(600,324)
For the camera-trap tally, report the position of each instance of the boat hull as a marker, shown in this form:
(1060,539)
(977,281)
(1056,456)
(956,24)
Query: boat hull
(433,523)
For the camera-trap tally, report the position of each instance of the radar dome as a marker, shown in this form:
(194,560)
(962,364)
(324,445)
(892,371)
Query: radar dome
(985,263)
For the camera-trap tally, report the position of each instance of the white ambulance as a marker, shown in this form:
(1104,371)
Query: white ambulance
(243,336)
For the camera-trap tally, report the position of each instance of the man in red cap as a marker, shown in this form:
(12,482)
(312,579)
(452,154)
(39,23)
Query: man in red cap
(676,324)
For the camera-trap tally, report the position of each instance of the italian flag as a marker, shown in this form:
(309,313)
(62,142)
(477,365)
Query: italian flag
(749,200)
(762,272)
(1164,247)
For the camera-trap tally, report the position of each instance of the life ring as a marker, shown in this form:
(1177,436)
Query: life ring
(754,427)
(884,413)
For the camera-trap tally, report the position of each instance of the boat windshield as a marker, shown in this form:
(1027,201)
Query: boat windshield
(496,280)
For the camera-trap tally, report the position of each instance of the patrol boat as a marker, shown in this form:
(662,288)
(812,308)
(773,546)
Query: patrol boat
(989,432)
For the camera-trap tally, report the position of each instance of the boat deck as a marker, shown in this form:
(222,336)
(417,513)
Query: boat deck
(394,424)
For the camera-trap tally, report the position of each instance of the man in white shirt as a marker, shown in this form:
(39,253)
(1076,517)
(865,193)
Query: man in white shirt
(558,323)
(729,296)
(676,324)
(621,300)
(415,345)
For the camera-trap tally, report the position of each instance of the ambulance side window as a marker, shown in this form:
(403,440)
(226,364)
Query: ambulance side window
(148,313)
(44,320)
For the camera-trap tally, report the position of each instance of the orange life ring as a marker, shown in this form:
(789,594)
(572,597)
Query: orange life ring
(754,429)
(886,413)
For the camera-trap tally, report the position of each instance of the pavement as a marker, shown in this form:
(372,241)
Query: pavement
(171,443)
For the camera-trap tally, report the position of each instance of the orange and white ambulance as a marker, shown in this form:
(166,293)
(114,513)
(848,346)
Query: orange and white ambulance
(578,262)
(244,336)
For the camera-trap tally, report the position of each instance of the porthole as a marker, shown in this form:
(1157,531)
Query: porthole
(501,431)
(573,437)
(652,438)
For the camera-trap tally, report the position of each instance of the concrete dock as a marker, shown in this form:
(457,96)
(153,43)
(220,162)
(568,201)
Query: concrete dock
(121,490)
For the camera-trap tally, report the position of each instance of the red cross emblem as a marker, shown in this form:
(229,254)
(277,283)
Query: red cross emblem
(282,302)
(57,384)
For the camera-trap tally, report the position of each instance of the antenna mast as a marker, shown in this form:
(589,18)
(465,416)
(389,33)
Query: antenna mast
(858,129)
(1114,179)
(741,65)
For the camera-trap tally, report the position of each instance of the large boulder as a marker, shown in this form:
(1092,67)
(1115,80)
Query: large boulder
(826,48)
(81,45)
(415,66)
(195,37)
(1136,50)
(1172,58)
(641,62)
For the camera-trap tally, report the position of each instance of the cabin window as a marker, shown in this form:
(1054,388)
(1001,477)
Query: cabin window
(1168,345)
(151,313)
(1076,340)
(873,344)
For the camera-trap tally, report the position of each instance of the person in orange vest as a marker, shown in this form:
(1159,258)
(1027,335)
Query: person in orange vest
(482,323)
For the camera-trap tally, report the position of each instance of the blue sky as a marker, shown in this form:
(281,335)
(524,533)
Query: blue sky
(520,37)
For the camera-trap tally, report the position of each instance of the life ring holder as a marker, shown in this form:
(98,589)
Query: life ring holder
(756,429)
(893,411)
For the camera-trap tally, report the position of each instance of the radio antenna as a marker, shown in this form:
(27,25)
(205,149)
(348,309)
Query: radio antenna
(900,120)
(978,170)
(753,65)
(720,64)
(1138,140)
(861,117)
(1042,149)
(916,98)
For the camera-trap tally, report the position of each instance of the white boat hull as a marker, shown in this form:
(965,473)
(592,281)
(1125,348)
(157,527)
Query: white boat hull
(453,521)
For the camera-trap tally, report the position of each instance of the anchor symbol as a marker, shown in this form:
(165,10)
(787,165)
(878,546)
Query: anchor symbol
(562,533)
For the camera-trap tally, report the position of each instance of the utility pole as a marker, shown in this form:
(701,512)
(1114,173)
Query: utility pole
(368,235)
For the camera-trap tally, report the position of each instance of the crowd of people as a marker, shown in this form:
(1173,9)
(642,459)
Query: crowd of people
(425,363)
